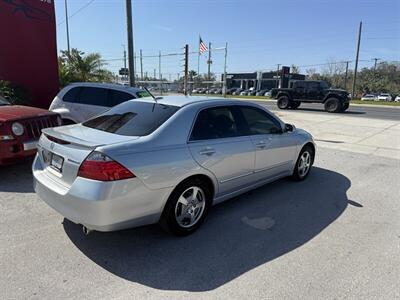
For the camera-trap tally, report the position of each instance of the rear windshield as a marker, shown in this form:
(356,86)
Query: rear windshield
(133,118)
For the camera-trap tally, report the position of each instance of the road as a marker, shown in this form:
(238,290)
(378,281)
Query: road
(384,113)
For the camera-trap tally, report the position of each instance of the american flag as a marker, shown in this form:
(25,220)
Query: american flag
(202,47)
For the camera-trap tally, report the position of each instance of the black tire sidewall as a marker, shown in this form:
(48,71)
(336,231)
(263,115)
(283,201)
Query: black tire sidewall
(337,107)
(168,221)
(296,175)
(283,100)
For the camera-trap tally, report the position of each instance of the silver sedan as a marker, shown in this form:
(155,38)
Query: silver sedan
(165,160)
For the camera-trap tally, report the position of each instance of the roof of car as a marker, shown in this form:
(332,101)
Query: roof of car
(107,85)
(181,101)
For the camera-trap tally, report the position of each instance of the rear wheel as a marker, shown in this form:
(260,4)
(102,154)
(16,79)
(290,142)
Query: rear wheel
(333,105)
(303,164)
(283,102)
(186,208)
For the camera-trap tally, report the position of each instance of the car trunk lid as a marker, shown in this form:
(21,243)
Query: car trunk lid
(62,150)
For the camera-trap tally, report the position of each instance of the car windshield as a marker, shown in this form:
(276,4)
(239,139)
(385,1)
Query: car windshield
(3,101)
(133,118)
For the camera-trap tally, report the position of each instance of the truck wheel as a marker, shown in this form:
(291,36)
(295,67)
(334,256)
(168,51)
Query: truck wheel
(345,106)
(295,105)
(333,105)
(283,102)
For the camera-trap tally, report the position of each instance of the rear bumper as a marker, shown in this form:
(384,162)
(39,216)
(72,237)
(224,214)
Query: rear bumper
(13,151)
(101,206)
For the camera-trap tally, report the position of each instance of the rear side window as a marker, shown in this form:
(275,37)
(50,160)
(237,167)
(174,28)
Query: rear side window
(259,122)
(133,118)
(118,97)
(215,123)
(72,95)
(94,96)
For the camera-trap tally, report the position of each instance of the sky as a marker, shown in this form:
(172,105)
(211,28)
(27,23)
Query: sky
(260,33)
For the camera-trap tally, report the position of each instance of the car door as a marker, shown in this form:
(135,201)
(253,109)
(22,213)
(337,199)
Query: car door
(298,90)
(314,91)
(218,144)
(91,102)
(275,149)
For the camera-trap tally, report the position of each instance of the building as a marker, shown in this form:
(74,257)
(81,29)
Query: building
(261,80)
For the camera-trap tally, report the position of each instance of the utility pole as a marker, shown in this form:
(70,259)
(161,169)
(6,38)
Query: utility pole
(277,75)
(154,74)
(125,75)
(356,64)
(345,77)
(130,42)
(141,65)
(159,71)
(134,63)
(185,83)
(376,60)
(66,24)
(224,83)
(209,62)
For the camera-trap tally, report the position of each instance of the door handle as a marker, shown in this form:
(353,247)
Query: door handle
(207,151)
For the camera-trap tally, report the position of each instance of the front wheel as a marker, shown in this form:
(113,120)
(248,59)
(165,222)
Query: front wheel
(186,208)
(333,105)
(283,102)
(303,164)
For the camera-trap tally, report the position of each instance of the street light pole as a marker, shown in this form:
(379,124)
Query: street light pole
(66,24)
(130,42)
(353,91)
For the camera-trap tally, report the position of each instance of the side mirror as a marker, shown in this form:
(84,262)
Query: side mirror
(289,127)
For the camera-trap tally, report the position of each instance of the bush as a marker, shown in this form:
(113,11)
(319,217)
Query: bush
(15,94)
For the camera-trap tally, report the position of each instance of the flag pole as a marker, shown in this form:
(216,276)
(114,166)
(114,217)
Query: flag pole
(198,58)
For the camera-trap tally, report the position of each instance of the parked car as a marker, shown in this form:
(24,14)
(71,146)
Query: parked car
(312,91)
(268,93)
(261,92)
(217,91)
(231,91)
(141,162)
(368,97)
(384,97)
(252,92)
(397,99)
(237,92)
(20,128)
(244,93)
(78,102)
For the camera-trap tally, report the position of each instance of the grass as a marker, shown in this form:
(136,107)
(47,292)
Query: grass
(354,101)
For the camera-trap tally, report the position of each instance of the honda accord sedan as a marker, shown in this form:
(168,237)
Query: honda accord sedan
(165,160)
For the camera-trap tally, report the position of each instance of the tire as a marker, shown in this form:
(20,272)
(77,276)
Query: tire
(295,104)
(180,219)
(333,105)
(345,106)
(303,161)
(283,102)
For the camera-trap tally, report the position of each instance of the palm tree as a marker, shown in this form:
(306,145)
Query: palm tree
(76,66)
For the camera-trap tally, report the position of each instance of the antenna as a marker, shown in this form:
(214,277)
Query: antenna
(147,90)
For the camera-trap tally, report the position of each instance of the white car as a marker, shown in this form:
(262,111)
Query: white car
(78,102)
(368,97)
(397,99)
(384,97)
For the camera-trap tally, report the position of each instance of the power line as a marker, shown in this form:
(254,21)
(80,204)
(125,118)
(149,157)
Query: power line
(77,11)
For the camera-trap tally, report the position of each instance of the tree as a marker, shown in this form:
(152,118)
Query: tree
(76,66)
(334,71)
(294,69)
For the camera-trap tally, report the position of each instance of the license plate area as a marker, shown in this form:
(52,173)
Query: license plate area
(53,160)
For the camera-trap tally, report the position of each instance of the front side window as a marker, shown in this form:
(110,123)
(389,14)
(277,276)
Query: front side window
(94,96)
(142,94)
(259,122)
(133,118)
(215,123)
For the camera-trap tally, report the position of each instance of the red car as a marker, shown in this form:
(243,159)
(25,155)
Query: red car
(20,129)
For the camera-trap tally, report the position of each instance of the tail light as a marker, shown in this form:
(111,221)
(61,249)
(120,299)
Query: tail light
(98,166)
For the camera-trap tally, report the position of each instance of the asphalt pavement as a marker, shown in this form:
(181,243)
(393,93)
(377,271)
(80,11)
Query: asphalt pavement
(370,111)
